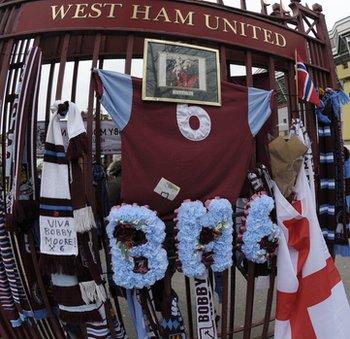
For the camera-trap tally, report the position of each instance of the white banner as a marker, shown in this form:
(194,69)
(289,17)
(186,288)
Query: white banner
(110,137)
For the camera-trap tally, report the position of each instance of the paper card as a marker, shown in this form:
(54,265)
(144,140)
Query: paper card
(58,236)
(167,189)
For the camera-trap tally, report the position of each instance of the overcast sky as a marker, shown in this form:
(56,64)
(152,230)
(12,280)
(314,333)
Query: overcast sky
(333,9)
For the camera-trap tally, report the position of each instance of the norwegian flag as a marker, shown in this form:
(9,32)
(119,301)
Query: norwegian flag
(306,88)
(311,300)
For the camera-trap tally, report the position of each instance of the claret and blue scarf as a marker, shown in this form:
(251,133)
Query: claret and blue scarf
(67,222)
(332,207)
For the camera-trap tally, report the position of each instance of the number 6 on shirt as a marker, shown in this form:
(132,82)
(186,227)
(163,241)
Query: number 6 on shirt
(183,115)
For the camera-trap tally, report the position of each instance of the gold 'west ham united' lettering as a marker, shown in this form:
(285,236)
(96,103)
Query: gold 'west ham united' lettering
(83,10)
(164,15)
(216,23)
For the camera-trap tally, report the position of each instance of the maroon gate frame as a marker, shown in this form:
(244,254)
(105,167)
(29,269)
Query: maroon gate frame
(72,41)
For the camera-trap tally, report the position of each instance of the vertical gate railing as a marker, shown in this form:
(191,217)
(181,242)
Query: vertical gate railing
(58,49)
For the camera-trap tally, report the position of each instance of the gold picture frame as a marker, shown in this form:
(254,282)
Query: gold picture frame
(179,72)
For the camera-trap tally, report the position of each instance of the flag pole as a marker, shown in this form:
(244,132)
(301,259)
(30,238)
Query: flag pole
(296,84)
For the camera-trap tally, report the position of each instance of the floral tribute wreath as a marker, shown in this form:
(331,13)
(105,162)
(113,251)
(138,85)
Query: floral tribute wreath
(136,235)
(258,236)
(204,236)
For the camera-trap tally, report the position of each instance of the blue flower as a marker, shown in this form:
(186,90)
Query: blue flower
(122,261)
(192,217)
(259,226)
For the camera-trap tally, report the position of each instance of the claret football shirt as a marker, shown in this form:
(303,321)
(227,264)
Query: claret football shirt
(172,152)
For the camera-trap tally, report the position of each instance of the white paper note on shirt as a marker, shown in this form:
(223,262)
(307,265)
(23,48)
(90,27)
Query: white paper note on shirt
(167,189)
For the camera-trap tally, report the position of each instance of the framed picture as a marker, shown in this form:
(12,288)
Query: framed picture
(178,72)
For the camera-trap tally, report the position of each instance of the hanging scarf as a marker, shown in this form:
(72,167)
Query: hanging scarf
(11,292)
(100,330)
(206,325)
(173,324)
(342,246)
(21,209)
(331,202)
(347,178)
(145,297)
(67,222)
(15,303)
(166,302)
(298,129)
(100,182)
(21,204)
(137,316)
(58,235)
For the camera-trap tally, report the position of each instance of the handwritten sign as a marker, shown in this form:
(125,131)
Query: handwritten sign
(58,236)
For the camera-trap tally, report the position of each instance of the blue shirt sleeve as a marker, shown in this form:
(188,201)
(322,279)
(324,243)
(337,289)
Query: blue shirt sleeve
(259,108)
(117,96)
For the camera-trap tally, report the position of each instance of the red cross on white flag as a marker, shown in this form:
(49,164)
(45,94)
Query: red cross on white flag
(311,300)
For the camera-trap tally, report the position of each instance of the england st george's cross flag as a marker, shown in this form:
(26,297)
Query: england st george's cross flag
(311,299)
